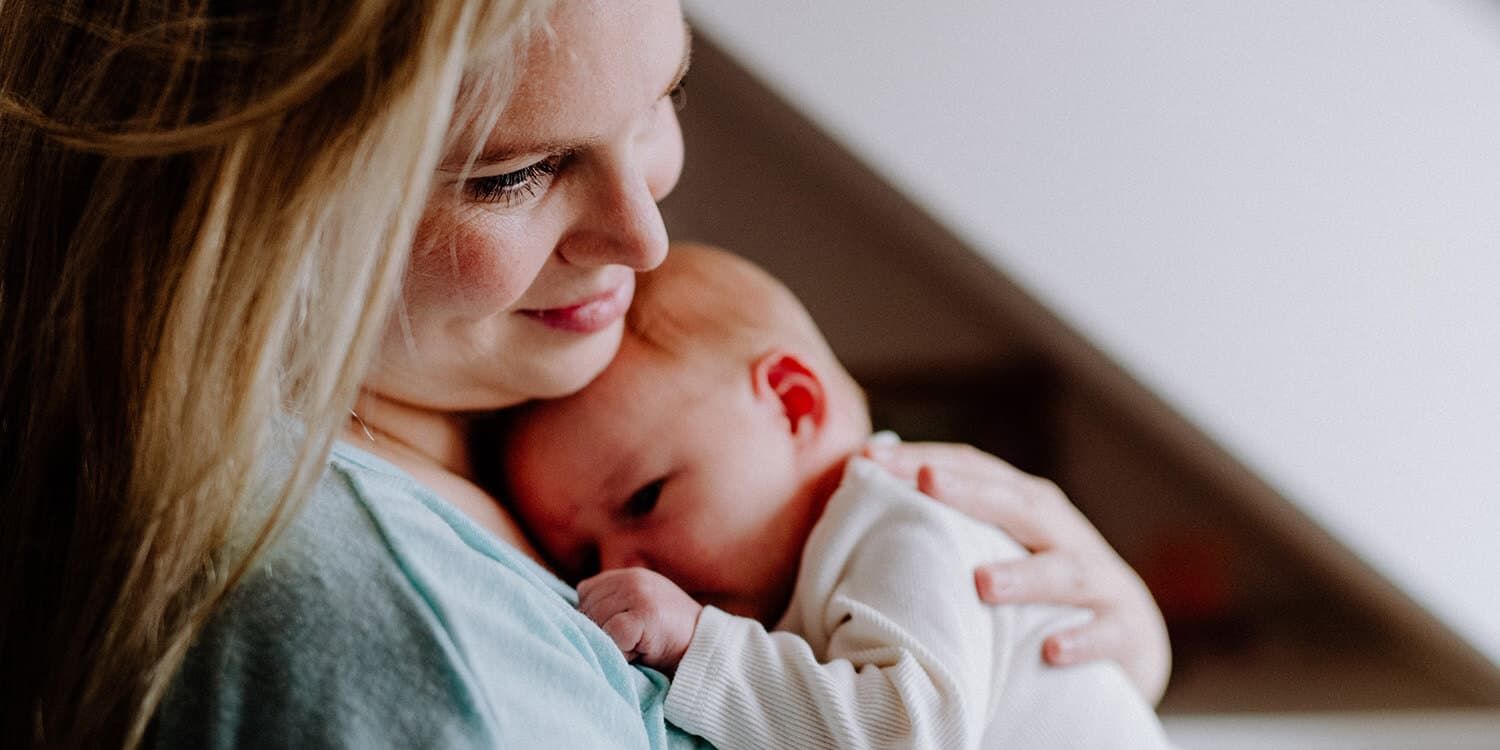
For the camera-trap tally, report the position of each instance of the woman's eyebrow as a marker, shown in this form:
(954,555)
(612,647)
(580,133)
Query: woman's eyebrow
(512,151)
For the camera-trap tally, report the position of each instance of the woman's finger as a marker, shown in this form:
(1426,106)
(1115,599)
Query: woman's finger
(1052,577)
(1096,639)
(1146,664)
(1006,506)
(900,463)
(1071,564)
(904,459)
(1126,628)
(1033,510)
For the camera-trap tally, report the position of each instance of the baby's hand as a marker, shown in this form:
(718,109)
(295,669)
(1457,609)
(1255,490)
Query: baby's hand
(648,616)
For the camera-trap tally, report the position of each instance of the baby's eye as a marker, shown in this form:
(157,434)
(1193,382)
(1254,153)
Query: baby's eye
(644,500)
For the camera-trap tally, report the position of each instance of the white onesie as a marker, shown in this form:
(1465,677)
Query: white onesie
(885,644)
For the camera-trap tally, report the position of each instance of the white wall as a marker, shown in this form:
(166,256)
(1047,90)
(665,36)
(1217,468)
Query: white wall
(1283,216)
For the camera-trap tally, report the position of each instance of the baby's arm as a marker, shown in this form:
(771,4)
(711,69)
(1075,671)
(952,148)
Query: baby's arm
(776,674)
(898,652)
(650,618)
(742,687)
(891,701)
(903,654)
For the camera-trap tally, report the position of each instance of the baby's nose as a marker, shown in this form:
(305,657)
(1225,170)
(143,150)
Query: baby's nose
(621,556)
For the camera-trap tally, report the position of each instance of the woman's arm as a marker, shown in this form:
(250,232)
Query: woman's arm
(1071,564)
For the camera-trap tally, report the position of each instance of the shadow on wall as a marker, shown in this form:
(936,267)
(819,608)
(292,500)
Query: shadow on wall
(1262,611)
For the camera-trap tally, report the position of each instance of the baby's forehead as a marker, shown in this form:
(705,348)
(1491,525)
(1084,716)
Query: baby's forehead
(686,373)
(635,385)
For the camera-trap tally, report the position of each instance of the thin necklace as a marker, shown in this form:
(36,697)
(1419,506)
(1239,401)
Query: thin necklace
(397,444)
(368,435)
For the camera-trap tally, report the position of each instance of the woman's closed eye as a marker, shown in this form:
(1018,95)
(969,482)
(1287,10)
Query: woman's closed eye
(516,187)
(643,502)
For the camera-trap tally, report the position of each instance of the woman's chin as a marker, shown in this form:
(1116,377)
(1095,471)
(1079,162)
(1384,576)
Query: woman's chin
(569,371)
(555,364)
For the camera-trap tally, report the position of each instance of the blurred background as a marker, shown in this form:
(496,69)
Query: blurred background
(1225,271)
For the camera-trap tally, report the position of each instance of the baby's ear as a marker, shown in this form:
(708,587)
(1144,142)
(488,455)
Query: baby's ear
(796,386)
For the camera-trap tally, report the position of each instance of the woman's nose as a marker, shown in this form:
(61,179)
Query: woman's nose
(620,224)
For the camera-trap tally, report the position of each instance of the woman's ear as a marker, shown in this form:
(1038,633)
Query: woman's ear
(796,387)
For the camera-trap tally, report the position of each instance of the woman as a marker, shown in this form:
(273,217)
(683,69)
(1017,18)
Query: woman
(222,230)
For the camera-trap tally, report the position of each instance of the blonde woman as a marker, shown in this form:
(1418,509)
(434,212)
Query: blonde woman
(260,265)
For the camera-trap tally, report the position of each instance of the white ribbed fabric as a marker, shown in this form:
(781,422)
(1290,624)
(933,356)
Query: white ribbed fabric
(886,645)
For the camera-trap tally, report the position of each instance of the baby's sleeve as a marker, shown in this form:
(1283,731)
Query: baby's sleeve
(741,686)
(897,651)
(896,655)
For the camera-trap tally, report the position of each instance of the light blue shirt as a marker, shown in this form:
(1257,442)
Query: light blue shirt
(383,617)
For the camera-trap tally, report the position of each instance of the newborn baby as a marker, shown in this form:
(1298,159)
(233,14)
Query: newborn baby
(712,473)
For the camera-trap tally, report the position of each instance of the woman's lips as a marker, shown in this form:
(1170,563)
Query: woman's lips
(588,315)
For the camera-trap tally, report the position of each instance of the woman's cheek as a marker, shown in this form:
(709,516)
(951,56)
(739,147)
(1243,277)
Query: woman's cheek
(470,262)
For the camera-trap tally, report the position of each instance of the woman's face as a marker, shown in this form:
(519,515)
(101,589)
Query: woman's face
(521,273)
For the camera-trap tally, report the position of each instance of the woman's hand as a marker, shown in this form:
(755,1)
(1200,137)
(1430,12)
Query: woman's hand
(1071,563)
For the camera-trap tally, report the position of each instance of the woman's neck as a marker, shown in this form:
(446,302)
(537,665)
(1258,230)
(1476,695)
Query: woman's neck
(410,435)
(433,448)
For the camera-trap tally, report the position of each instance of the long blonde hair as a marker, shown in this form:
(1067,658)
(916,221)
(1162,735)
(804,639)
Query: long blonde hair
(204,219)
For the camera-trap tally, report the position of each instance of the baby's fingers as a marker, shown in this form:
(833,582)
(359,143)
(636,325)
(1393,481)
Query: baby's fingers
(600,599)
(625,629)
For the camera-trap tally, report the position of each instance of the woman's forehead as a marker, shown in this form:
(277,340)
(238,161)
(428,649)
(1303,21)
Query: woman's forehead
(591,70)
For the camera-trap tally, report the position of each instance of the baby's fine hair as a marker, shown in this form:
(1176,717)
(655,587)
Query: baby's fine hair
(708,304)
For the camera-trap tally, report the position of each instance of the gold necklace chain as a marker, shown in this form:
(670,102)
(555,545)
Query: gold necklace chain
(396,443)
(368,435)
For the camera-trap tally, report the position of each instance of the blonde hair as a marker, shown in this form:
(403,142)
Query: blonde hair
(715,307)
(204,221)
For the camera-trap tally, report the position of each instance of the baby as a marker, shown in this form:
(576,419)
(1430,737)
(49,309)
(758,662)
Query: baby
(713,473)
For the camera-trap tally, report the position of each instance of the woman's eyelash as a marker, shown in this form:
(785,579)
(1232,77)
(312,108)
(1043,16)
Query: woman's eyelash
(643,502)
(678,95)
(515,187)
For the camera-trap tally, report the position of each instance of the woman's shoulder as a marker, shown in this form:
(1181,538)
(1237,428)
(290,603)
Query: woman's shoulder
(323,633)
(379,617)
(365,539)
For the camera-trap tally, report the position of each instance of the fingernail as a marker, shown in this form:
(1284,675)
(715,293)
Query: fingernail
(994,583)
(1062,647)
(927,479)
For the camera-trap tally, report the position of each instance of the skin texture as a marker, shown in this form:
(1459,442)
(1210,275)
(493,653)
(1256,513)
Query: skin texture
(653,620)
(599,115)
(737,489)
(596,87)
(648,616)
(739,458)
(594,104)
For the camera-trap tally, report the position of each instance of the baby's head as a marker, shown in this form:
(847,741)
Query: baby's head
(707,448)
